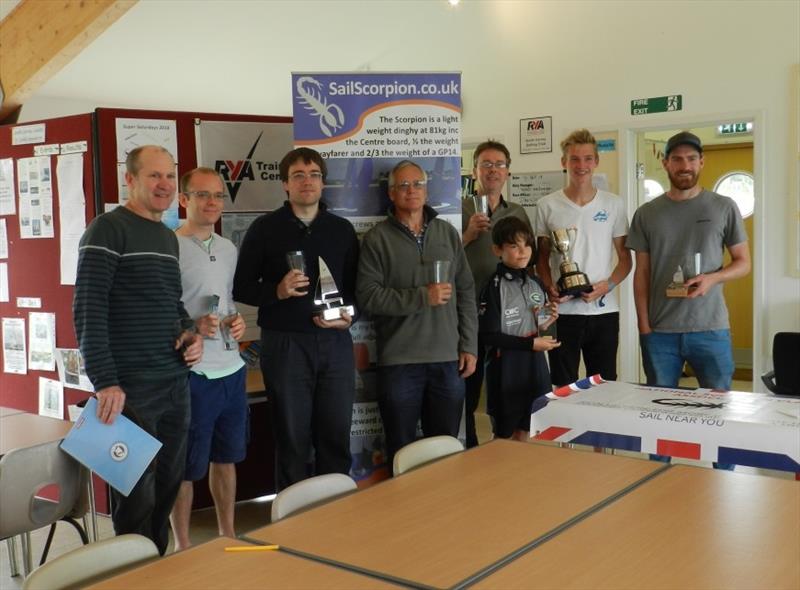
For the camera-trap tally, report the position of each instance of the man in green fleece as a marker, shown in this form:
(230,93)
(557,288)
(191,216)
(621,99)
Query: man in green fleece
(426,331)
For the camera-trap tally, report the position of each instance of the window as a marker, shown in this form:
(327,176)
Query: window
(739,187)
(652,189)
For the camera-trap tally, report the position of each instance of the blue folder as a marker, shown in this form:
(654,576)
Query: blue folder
(119,452)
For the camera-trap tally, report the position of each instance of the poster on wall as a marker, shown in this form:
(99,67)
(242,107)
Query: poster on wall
(363,124)
(72,213)
(536,135)
(527,188)
(246,155)
(35,189)
(134,133)
(7,204)
(51,398)
(72,369)
(15,360)
(42,341)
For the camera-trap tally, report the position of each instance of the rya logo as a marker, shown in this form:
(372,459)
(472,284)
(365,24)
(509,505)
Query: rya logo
(534,124)
(233,173)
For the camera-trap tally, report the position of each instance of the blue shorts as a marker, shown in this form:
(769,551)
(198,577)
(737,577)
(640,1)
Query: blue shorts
(220,422)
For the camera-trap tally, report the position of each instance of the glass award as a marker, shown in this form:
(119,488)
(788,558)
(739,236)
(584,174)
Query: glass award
(329,304)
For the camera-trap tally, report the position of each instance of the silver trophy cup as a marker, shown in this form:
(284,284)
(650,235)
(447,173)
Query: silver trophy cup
(573,281)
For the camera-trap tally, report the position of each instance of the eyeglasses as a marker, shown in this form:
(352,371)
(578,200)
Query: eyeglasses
(206,195)
(404,187)
(302,176)
(487,165)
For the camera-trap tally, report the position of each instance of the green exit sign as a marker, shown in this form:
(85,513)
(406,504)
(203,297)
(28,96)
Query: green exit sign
(735,128)
(657,104)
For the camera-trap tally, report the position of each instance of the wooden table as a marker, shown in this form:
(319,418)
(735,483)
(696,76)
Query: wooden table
(5,411)
(27,430)
(687,528)
(209,567)
(444,522)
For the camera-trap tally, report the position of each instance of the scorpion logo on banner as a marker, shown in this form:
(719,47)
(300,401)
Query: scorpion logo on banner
(309,92)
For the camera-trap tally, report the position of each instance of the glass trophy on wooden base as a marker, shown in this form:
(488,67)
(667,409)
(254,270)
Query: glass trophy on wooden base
(329,303)
(678,288)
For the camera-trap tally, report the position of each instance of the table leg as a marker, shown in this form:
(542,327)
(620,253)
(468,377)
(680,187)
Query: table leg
(11,545)
(92,509)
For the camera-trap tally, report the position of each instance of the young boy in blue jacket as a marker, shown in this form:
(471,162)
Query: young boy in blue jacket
(516,369)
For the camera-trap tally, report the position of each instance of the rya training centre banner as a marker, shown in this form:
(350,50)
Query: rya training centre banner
(246,155)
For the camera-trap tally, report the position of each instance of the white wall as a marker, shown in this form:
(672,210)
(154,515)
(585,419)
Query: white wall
(580,62)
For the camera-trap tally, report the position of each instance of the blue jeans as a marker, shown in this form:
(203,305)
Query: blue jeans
(430,392)
(709,353)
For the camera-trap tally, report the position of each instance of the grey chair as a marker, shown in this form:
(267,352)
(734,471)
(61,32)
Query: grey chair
(310,492)
(24,473)
(424,450)
(90,563)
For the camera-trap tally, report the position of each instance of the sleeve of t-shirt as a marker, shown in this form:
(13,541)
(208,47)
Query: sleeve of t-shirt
(735,233)
(636,239)
(620,219)
(539,224)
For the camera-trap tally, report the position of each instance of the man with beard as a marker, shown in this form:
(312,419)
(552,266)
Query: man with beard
(680,237)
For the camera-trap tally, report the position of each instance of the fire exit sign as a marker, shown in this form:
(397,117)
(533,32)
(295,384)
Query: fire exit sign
(657,104)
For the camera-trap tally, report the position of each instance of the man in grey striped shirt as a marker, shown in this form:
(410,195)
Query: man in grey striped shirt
(129,323)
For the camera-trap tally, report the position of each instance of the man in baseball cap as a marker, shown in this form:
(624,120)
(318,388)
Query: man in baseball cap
(679,238)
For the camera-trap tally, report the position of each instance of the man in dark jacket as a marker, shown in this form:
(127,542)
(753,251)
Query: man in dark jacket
(307,361)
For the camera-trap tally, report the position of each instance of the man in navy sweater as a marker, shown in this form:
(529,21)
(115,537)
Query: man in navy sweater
(128,313)
(307,362)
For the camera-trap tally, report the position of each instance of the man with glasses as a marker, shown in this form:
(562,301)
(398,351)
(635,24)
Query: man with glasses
(307,362)
(425,325)
(588,323)
(218,432)
(128,314)
(492,161)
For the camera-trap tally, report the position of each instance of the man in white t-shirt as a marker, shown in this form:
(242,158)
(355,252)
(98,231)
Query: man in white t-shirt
(588,323)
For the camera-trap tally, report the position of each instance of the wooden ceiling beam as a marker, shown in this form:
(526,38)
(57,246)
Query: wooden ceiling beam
(39,37)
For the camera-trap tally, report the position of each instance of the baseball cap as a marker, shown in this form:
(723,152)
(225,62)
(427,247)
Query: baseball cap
(683,138)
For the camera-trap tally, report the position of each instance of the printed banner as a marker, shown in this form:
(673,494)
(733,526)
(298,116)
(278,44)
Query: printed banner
(246,154)
(363,124)
(730,427)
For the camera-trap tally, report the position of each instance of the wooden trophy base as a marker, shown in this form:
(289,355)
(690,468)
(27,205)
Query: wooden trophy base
(574,284)
(677,290)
